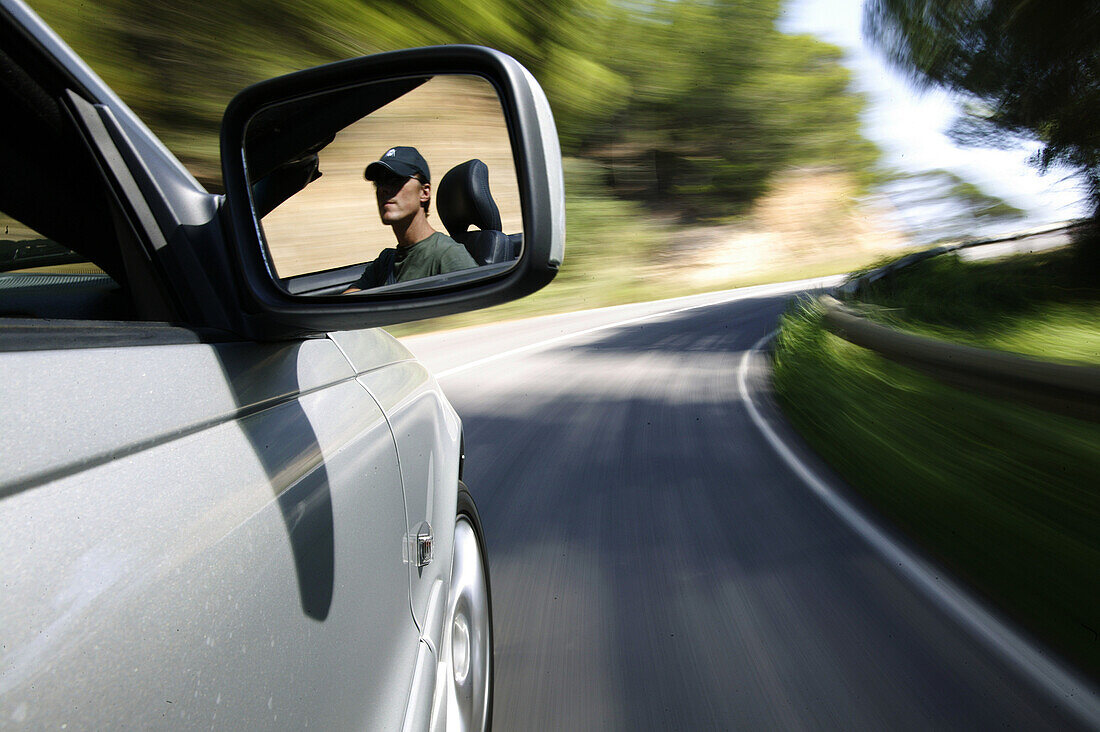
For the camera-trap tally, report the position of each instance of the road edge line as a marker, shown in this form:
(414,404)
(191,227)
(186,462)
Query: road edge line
(1062,685)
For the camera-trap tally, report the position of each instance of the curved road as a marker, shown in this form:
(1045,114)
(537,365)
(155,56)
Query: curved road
(657,565)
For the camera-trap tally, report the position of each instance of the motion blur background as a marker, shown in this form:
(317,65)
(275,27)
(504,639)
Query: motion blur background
(708,143)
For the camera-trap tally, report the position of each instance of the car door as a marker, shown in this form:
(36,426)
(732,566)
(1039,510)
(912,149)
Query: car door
(215,528)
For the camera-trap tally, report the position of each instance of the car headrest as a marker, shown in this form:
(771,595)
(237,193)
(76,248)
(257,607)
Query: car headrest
(463,199)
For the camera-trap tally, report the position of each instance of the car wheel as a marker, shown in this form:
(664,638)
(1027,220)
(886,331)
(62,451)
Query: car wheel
(468,644)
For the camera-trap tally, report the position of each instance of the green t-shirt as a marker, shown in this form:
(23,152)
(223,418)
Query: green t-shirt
(437,254)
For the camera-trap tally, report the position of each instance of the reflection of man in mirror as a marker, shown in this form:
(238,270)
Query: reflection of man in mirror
(403,189)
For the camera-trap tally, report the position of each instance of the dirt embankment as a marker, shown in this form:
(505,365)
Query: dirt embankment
(809,219)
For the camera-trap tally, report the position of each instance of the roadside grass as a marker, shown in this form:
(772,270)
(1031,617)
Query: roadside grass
(1005,495)
(1035,304)
(600,292)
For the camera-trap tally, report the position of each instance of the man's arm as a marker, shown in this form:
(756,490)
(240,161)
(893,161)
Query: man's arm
(368,279)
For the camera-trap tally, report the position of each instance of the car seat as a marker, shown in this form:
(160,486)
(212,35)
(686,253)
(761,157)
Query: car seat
(464,200)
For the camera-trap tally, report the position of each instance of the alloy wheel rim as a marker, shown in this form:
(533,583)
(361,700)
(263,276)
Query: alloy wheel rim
(466,647)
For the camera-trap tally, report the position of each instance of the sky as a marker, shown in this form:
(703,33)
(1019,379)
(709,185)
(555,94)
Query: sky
(909,125)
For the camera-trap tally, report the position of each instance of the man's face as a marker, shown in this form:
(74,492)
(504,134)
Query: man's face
(399,199)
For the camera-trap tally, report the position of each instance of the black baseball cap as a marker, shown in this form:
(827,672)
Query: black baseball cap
(403,161)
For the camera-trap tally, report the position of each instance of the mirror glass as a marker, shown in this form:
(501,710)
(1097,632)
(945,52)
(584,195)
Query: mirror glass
(398,185)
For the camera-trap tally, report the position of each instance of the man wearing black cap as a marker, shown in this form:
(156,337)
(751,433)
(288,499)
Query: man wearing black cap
(403,189)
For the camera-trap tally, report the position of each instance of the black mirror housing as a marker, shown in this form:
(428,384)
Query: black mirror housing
(272,312)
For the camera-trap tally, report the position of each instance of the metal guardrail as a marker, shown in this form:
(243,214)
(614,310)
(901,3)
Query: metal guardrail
(853,286)
(1061,388)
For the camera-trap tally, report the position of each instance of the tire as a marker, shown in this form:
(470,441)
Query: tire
(468,638)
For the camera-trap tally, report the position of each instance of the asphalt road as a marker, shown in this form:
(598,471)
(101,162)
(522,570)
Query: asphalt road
(656,565)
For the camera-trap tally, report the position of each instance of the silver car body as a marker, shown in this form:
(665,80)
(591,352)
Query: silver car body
(216,532)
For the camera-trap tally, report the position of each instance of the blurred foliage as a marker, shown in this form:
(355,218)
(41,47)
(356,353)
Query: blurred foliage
(688,104)
(609,242)
(1029,69)
(1039,304)
(1003,494)
(720,100)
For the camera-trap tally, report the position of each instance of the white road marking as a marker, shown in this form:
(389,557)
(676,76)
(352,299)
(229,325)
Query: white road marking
(1076,694)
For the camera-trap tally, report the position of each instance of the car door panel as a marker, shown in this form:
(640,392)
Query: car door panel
(214,531)
(370,348)
(54,406)
(428,434)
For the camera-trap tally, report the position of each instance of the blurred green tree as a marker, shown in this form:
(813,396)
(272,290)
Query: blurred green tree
(690,105)
(1029,69)
(721,99)
(178,62)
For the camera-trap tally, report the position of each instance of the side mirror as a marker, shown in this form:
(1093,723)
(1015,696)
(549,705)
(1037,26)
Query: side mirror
(310,234)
